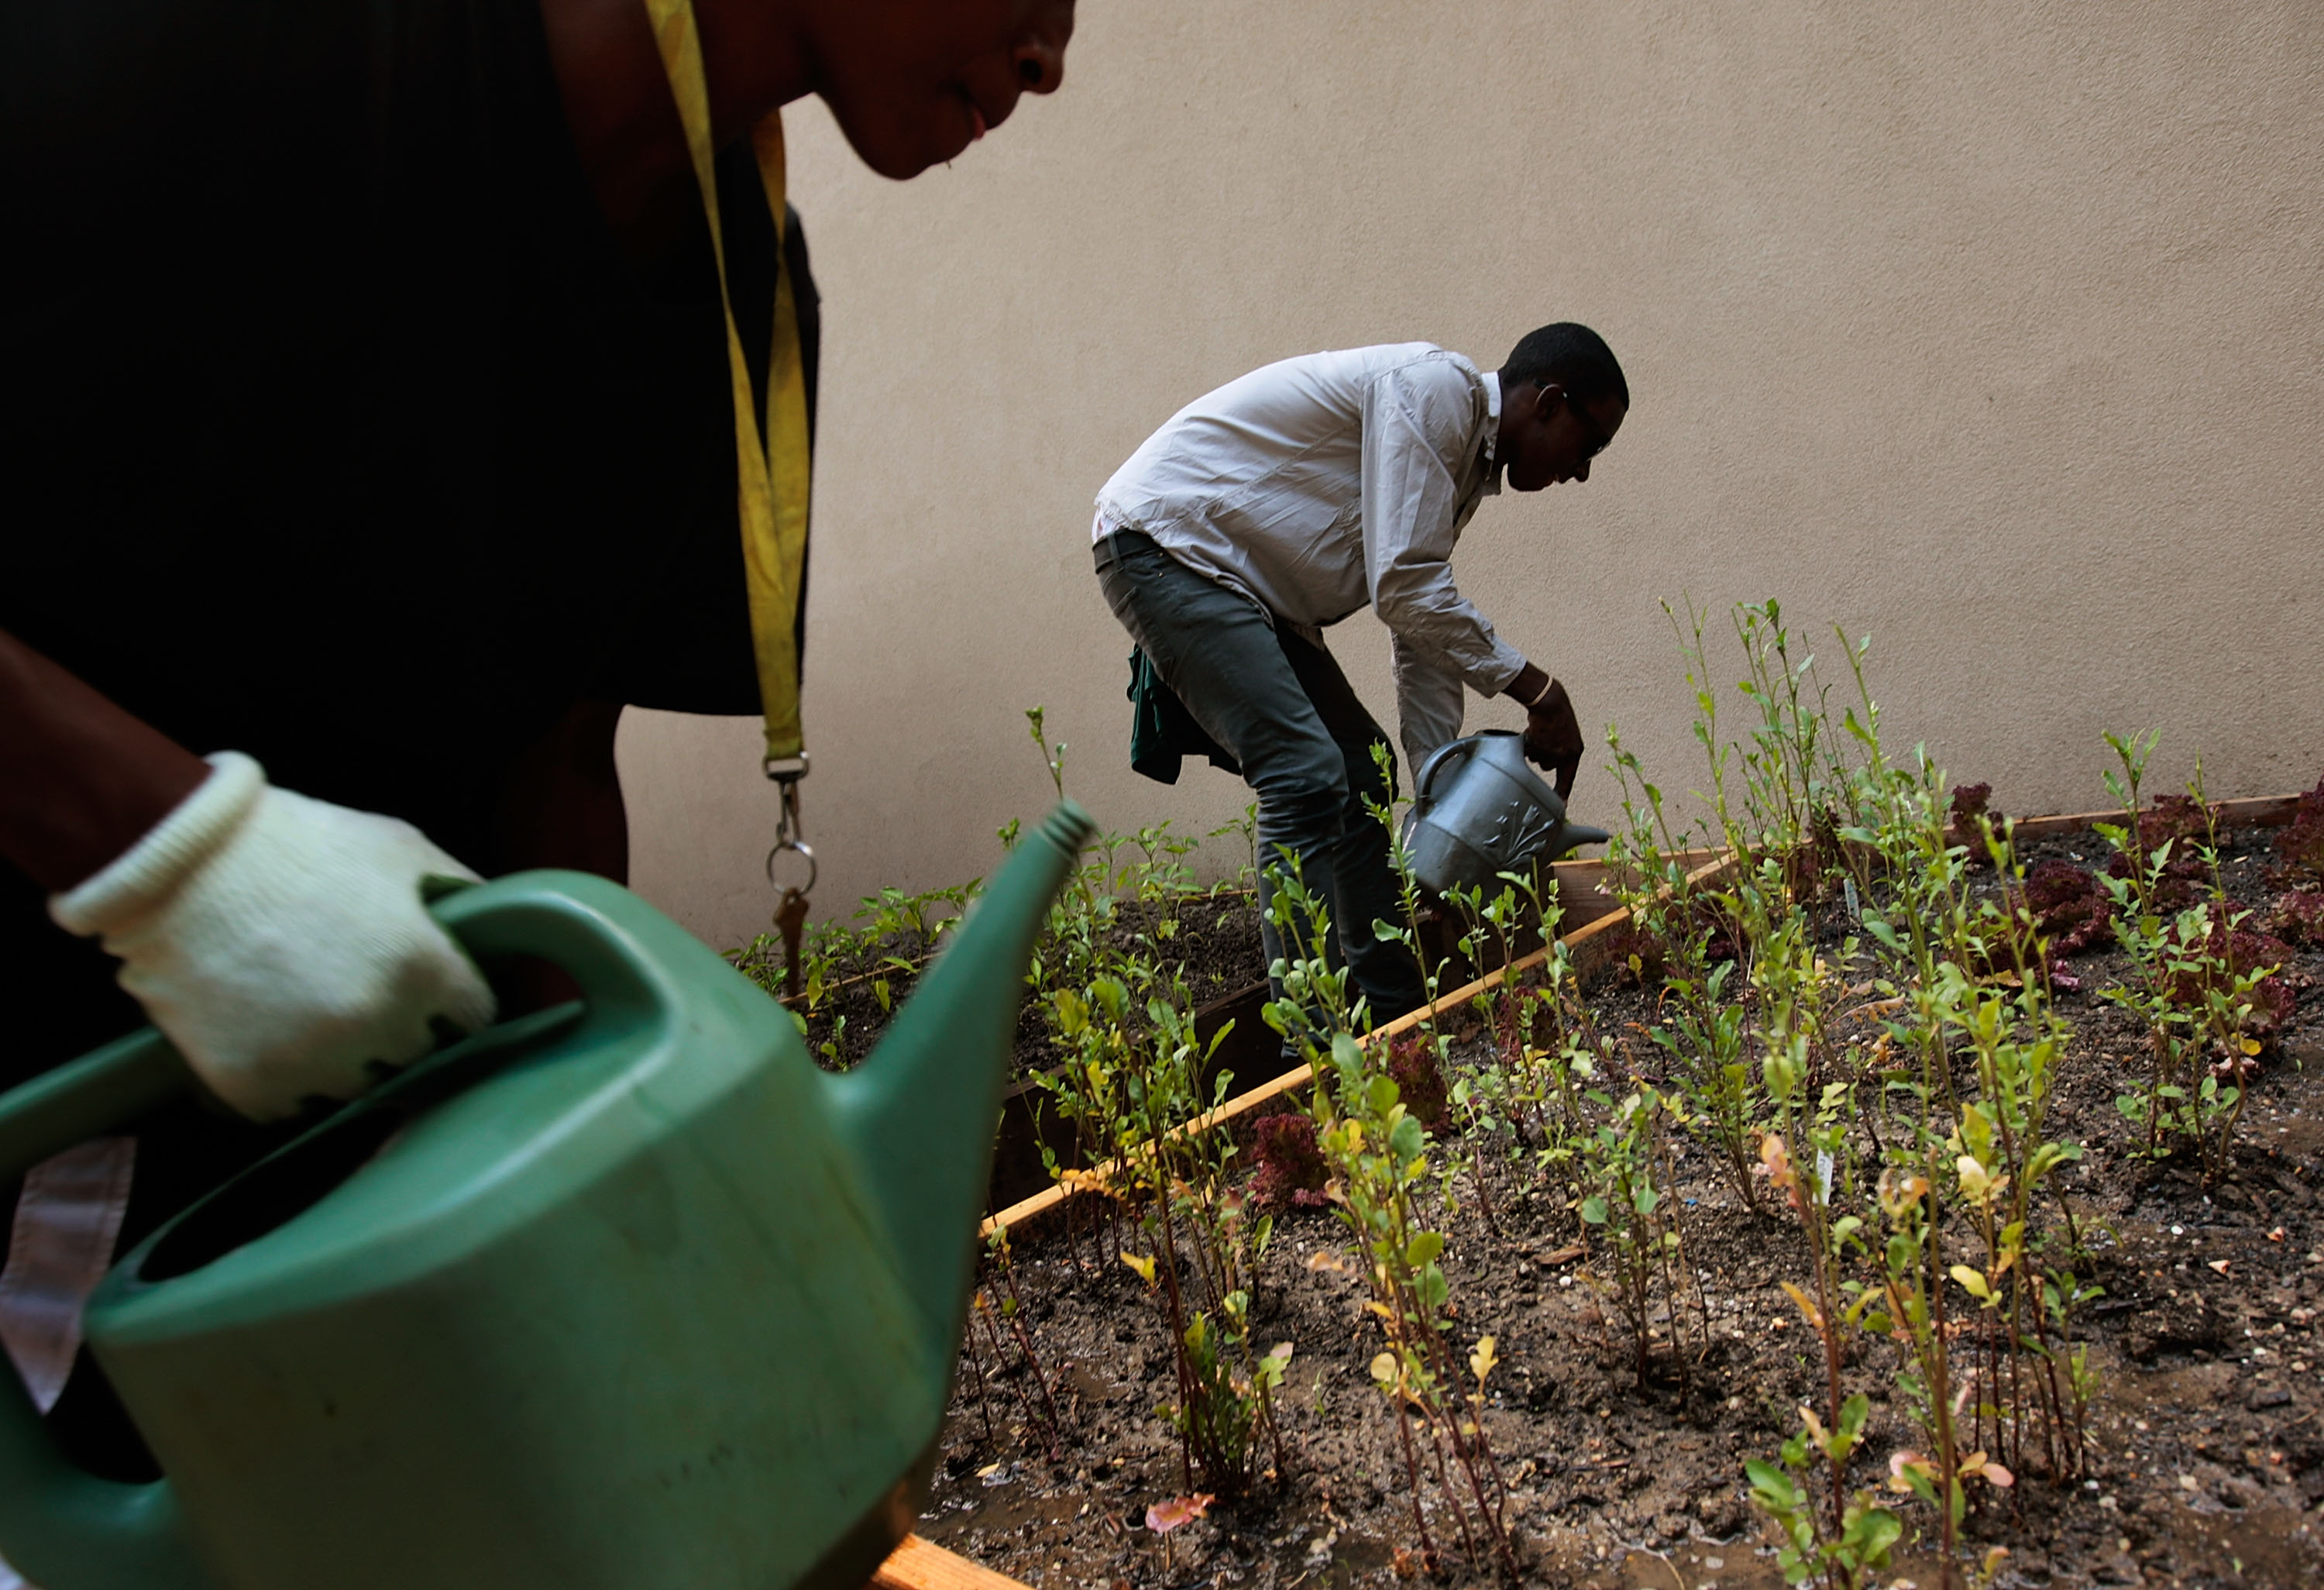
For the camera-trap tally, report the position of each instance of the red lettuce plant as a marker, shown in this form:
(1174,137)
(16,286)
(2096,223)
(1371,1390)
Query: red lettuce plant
(2300,846)
(2300,918)
(2070,908)
(1419,1083)
(2233,951)
(1971,802)
(1291,1169)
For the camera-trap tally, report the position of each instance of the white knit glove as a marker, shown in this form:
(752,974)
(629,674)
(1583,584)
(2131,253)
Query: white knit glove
(281,943)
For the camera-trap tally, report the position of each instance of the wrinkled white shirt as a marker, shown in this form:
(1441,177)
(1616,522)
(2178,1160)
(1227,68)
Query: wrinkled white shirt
(1323,484)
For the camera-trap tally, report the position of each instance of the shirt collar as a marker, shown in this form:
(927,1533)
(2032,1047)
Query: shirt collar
(1493,379)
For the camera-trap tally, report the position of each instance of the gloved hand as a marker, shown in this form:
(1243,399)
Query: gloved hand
(281,943)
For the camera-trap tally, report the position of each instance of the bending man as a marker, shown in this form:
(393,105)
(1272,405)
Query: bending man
(1285,501)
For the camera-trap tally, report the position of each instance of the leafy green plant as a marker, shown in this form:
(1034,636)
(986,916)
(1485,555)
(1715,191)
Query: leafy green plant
(1906,1304)
(1786,976)
(2159,847)
(1627,1212)
(1841,1553)
(2002,1163)
(2198,986)
(1940,1078)
(1786,757)
(1702,1029)
(1135,1073)
(1140,1086)
(1378,1153)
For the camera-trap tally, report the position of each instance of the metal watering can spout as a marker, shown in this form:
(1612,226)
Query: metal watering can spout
(919,1112)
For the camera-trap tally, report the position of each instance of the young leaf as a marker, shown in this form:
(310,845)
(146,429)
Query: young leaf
(1166,1516)
(1774,1488)
(1869,1535)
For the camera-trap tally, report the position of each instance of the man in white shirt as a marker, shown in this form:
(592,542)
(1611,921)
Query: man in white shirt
(1286,500)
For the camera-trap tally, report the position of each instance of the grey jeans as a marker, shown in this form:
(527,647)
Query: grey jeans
(1286,712)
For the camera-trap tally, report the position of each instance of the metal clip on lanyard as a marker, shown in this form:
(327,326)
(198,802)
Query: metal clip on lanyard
(790,833)
(790,910)
(773,469)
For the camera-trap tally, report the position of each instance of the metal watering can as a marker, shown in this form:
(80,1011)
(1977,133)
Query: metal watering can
(1477,810)
(626,1293)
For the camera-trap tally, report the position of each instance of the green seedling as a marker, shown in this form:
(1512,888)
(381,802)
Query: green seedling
(2199,1006)
(1844,1552)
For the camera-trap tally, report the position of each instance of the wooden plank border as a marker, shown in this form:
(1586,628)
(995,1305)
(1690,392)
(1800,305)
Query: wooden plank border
(1252,1051)
(1051,1198)
(2265,811)
(920,1565)
(1584,881)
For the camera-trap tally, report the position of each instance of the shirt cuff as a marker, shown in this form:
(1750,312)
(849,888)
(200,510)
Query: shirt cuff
(1494,678)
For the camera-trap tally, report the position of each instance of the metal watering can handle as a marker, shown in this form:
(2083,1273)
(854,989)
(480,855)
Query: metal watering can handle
(1436,760)
(69,1531)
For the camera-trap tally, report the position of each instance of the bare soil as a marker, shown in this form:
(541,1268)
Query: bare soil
(2207,1460)
(1216,943)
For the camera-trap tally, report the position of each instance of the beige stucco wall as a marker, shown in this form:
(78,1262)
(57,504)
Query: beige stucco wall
(1991,331)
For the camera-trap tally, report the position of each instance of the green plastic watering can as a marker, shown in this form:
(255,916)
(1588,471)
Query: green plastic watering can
(623,1294)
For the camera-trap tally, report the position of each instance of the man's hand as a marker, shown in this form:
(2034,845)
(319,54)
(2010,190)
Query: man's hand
(281,943)
(1552,739)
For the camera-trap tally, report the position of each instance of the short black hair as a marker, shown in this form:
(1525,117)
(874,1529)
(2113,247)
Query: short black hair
(1573,356)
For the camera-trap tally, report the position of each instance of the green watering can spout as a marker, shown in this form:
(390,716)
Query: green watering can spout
(922,1106)
(66,1529)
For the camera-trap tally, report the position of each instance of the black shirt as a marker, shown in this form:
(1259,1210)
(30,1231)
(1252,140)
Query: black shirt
(335,426)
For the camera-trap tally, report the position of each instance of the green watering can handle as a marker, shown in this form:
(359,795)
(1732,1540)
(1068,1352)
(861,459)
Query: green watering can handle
(66,1529)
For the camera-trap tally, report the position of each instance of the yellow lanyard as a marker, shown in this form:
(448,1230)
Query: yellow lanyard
(771,485)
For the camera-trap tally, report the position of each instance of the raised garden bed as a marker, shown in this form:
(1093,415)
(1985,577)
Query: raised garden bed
(1887,1193)
(2203,1453)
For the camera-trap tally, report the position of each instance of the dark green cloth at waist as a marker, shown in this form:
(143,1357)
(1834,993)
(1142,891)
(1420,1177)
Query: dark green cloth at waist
(1162,732)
